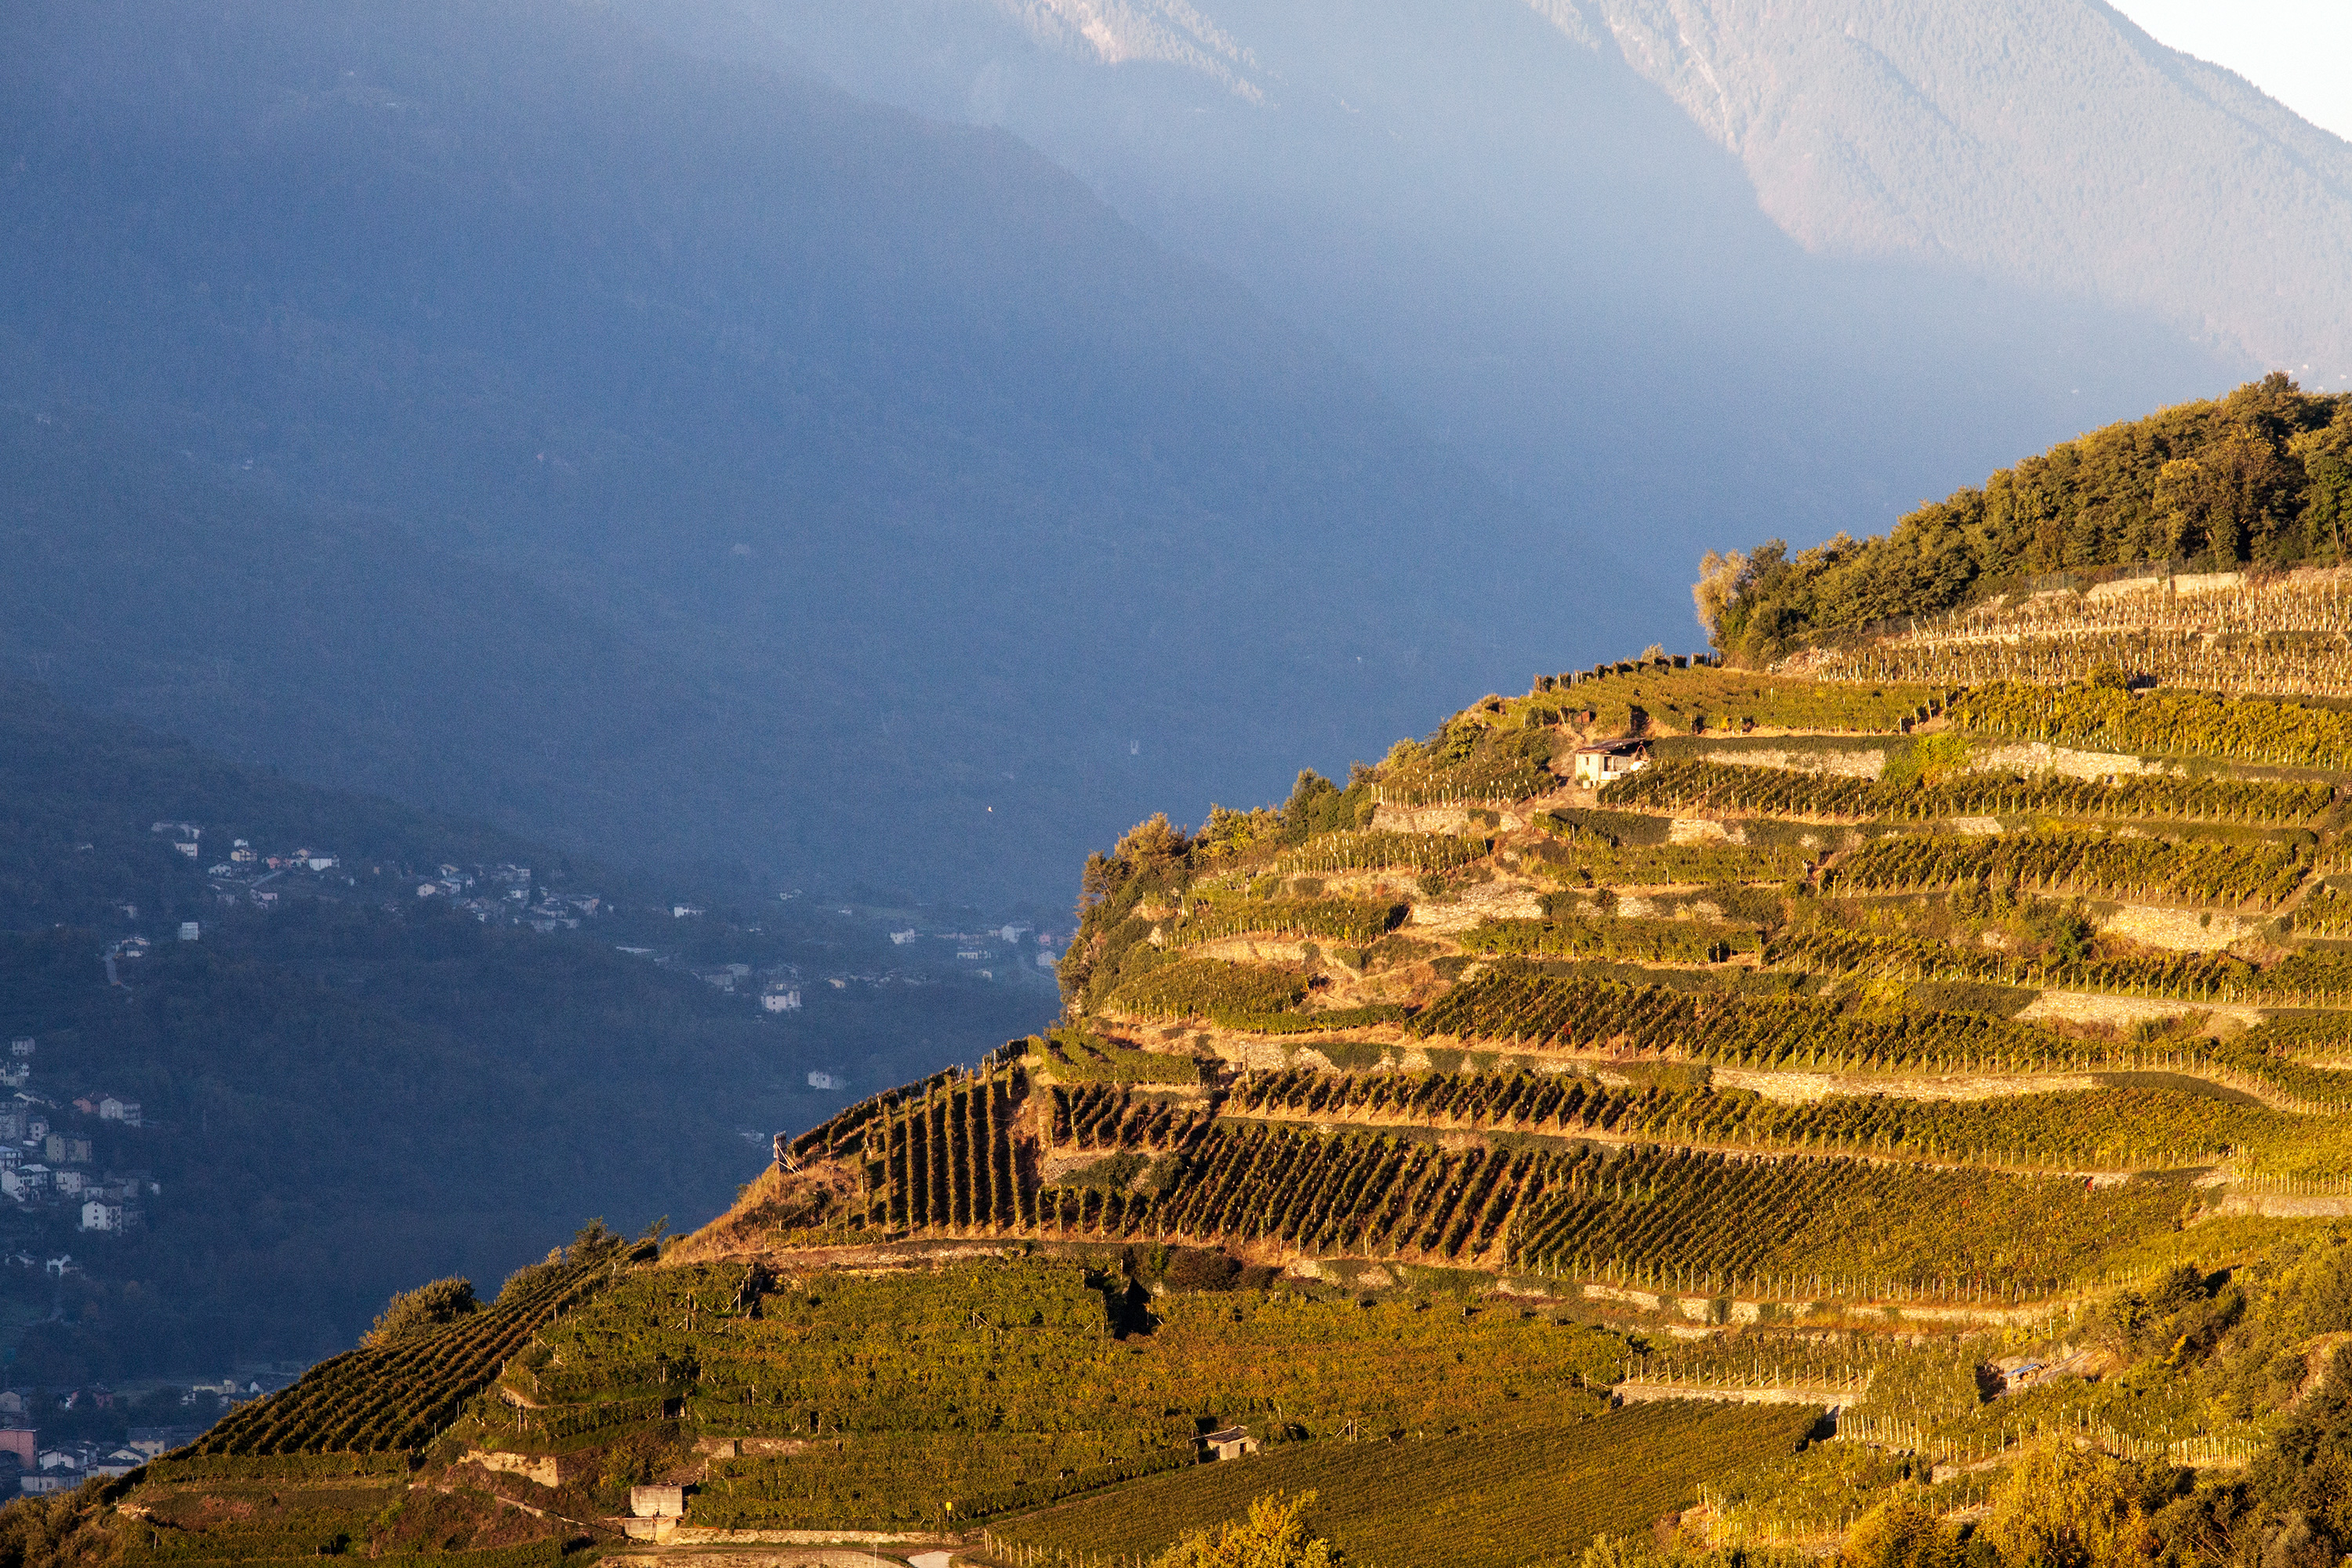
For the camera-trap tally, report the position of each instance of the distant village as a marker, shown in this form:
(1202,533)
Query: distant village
(46,1155)
(980,955)
(502,894)
(506,894)
(46,1169)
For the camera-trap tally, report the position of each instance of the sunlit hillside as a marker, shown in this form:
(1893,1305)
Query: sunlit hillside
(1773,1104)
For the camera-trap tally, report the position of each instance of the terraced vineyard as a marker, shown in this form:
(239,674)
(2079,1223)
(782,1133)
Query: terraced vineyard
(1972,1060)
(382,1399)
(2210,631)
(1463,1500)
(2228,876)
(1698,783)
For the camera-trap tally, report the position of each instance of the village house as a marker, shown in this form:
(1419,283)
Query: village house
(152,1441)
(1603,761)
(114,1108)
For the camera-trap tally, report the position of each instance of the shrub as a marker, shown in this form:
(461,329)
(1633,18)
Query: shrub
(2063,1508)
(1273,1535)
(427,1307)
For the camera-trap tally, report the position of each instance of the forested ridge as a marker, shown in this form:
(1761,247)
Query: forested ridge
(2261,478)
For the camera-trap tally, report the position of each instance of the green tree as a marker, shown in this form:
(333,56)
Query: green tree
(1901,1532)
(2326,455)
(1273,1535)
(2062,1507)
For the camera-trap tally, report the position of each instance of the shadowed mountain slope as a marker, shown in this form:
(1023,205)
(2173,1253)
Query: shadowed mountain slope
(342,1086)
(897,447)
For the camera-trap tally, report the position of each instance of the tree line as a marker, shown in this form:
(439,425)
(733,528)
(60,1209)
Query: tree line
(2260,477)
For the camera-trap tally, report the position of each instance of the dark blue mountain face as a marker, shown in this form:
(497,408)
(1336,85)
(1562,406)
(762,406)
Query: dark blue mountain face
(688,461)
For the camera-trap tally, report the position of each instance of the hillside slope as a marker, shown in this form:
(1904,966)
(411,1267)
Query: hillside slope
(855,452)
(1786,1112)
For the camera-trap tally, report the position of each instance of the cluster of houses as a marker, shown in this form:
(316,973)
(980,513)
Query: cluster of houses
(976,947)
(504,894)
(67,1465)
(777,986)
(45,1162)
(62,1466)
(249,876)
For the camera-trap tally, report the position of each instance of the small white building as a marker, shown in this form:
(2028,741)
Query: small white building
(657,1502)
(190,931)
(126,1111)
(784,1001)
(1229,1443)
(1603,761)
(97,1214)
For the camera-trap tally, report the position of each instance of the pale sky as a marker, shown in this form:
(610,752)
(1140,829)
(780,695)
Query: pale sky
(2298,51)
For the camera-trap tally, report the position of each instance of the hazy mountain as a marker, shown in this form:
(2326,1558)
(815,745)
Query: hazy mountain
(1527,243)
(2048,142)
(848,491)
(827,491)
